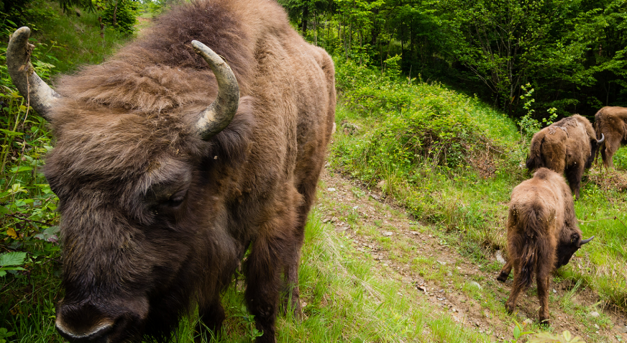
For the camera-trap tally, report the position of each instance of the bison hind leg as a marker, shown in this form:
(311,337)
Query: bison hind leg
(573,175)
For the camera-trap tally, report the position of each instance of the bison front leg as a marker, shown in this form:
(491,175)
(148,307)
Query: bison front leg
(504,274)
(263,275)
(211,316)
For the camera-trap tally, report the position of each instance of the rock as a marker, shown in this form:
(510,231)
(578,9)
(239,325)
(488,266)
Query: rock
(476,284)
(375,197)
(331,189)
(499,257)
(381,184)
(594,314)
(387,233)
(597,326)
(622,328)
(442,263)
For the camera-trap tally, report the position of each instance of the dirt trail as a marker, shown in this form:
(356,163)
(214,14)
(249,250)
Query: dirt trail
(454,284)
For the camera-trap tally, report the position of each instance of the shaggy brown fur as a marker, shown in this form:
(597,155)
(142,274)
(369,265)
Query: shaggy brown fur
(154,219)
(542,235)
(566,147)
(612,122)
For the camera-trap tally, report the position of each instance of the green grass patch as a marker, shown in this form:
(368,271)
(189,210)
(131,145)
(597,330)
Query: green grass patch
(453,161)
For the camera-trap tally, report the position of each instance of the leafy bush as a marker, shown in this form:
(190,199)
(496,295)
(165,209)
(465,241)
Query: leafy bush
(419,123)
(120,14)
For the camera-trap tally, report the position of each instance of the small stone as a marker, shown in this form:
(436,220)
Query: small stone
(449,273)
(331,189)
(594,314)
(499,257)
(442,263)
(554,291)
(528,321)
(381,184)
(476,284)
(375,197)
(597,326)
(387,233)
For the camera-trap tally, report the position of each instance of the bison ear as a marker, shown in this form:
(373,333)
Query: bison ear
(574,238)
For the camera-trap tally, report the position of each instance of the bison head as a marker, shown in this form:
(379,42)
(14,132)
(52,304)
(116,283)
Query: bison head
(133,203)
(567,246)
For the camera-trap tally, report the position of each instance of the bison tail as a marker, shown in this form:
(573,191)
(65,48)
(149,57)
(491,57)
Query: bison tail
(531,251)
(534,160)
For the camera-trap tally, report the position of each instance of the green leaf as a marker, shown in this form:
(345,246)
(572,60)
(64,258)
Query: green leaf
(14,258)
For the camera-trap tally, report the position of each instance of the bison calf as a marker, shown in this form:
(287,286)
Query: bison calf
(566,147)
(542,235)
(611,121)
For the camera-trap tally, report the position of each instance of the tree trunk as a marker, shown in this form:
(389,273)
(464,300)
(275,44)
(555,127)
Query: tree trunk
(304,22)
(115,11)
(101,27)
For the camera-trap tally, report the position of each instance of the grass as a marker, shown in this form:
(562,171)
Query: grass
(452,161)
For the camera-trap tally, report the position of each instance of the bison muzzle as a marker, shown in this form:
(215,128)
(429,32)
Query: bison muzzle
(173,159)
(566,147)
(542,235)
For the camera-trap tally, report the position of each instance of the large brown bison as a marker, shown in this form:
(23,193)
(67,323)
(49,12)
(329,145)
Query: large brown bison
(169,166)
(611,121)
(566,147)
(542,235)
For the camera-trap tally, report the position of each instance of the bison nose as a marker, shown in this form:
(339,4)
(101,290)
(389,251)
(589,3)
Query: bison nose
(83,323)
(86,322)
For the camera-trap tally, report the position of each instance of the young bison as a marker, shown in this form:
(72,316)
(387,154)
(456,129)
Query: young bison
(611,122)
(542,235)
(566,147)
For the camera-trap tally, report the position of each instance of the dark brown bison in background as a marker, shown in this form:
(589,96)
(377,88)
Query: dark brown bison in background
(169,166)
(566,147)
(542,235)
(611,121)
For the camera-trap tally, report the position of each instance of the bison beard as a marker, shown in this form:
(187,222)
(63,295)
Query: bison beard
(542,235)
(159,200)
(611,121)
(566,147)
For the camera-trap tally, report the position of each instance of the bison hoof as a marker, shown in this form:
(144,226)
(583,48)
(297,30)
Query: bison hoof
(503,277)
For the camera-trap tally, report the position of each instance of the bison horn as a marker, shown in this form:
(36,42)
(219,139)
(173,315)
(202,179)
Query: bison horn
(41,96)
(586,241)
(602,138)
(220,113)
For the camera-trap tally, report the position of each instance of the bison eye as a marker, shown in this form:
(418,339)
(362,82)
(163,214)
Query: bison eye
(176,199)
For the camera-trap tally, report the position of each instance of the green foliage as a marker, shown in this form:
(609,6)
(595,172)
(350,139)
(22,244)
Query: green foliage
(572,52)
(452,161)
(121,14)
(4,333)
(11,261)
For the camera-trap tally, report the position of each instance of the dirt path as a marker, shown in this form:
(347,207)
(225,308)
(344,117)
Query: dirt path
(424,257)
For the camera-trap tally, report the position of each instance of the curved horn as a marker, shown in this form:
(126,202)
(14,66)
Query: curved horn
(42,97)
(586,241)
(602,138)
(220,113)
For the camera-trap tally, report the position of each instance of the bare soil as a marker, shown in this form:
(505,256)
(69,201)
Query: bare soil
(447,280)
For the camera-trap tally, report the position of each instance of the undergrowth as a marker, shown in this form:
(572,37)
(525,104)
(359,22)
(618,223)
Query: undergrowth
(453,161)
